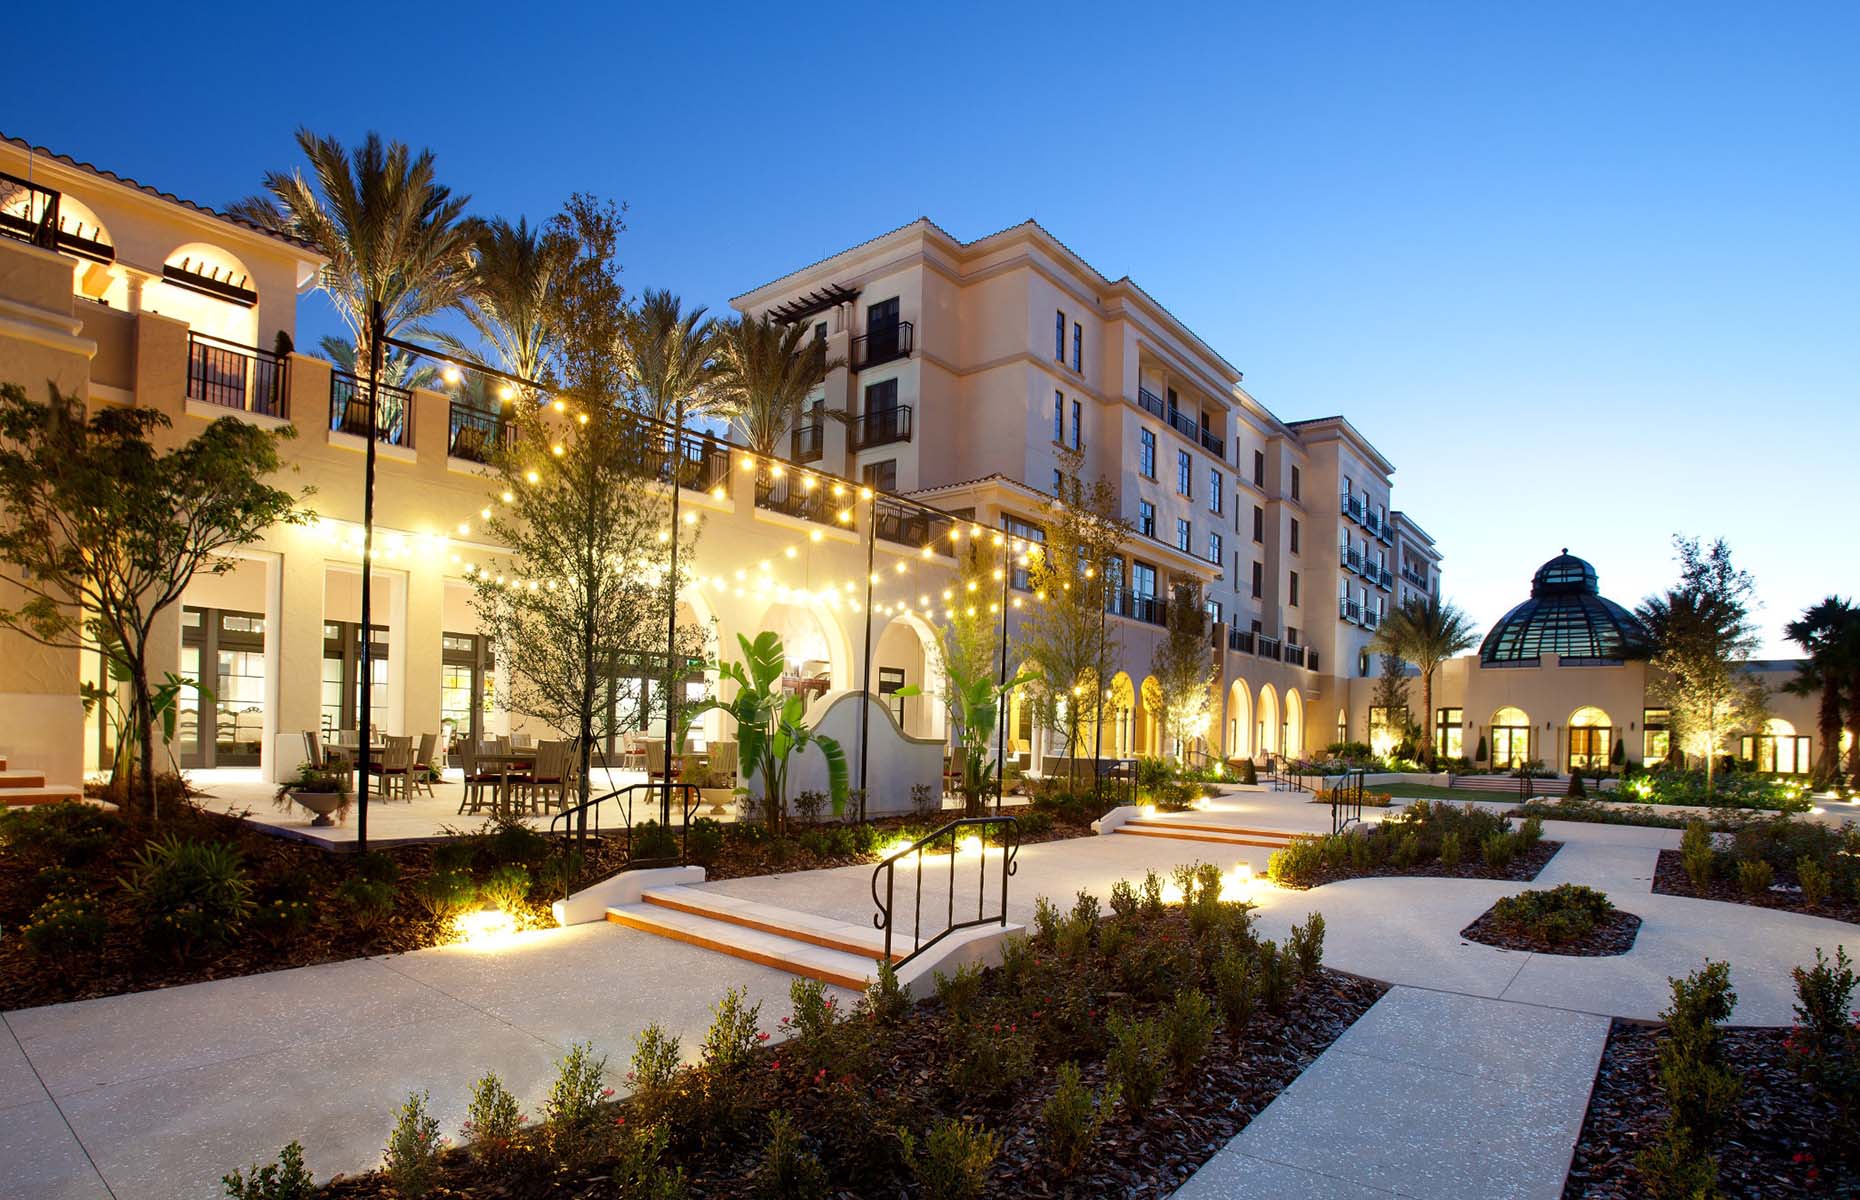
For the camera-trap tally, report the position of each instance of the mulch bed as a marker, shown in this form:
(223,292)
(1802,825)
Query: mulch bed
(1670,879)
(1524,867)
(1781,1148)
(1613,935)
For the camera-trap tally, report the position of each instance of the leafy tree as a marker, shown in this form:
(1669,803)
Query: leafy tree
(1829,633)
(1425,631)
(1703,636)
(973,692)
(765,371)
(1391,699)
(769,726)
(1070,648)
(587,306)
(666,354)
(1183,666)
(101,531)
(393,235)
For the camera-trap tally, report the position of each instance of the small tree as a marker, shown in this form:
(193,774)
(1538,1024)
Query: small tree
(1390,699)
(1184,669)
(1425,631)
(1703,636)
(967,658)
(101,532)
(1067,642)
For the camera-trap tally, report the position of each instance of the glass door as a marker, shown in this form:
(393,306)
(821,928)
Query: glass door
(231,731)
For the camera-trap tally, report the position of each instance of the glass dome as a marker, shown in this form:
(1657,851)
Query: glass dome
(1567,616)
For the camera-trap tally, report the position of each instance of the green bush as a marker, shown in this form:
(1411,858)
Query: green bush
(65,926)
(1560,914)
(1249,774)
(1530,832)
(1189,1023)
(370,902)
(1824,1047)
(954,1160)
(957,991)
(279,921)
(64,835)
(1072,1118)
(508,888)
(1499,848)
(1816,880)
(445,894)
(572,1109)
(987,1061)
(458,853)
(731,1037)
(1697,854)
(1305,946)
(788,1170)
(1138,1061)
(1407,850)
(1299,864)
(1277,974)
(412,1159)
(514,842)
(1450,853)
(1755,877)
(190,895)
(654,1068)
(885,998)
(492,1122)
(638,1171)
(651,840)
(285,1179)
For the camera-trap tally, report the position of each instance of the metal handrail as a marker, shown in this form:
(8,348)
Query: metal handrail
(881,426)
(232,375)
(1008,840)
(883,344)
(348,409)
(1346,801)
(475,434)
(808,442)
(692,801)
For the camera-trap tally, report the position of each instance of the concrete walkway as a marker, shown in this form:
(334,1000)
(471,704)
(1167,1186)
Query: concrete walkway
(155,1095)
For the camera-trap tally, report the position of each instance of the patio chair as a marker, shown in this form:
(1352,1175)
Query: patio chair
(724,760)
(476,780)
(313,750)
(393,765)
(655,757)
(547,785)
(422,777)
(522,741)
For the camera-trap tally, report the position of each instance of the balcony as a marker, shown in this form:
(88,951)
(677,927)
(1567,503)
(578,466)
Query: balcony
(1417,578)
(1385,579)
(881,427)
(1148,609)
(1152,404)
(1350,610)
(1372,523)
(882,345)
(1240,640)
(1386,533)
(1294,654)
(909,526)
(30,213)
(803,498)
(474,434)
(1352,506)
(1268,647)
(1213,445)
(229,375)
(1371,618)
(703,461)
(808,443)
(348,410)
(1353,559)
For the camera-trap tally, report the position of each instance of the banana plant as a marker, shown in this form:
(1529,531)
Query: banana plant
(769,725)
(164,706)
(976,700)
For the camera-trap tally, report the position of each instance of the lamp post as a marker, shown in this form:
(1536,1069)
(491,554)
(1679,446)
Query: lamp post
(1097,753)
(377,331)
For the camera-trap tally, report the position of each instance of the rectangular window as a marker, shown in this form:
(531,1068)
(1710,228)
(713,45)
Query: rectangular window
(1143,580)
(1184,473)
(1214,490)
(1059,336)
(1656,735)
(1077,436)
(1259,580)
(1146,518)
(820,331)
(1449,724)
(1059,416)
(1214,611)
(1259,523)
(1294,589)
(1259,468)
(1294,535)
(882,476)
(1295,482)
(1078,347)
(881,397)
(1058,478)
(1214,547)
(1146,453)
(1184,535)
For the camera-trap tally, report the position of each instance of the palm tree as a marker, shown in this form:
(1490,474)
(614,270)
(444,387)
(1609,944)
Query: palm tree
(1829,632)
(398,368)
(1425,632)
(764,374)
(509,304)
(666,354)
(392,235)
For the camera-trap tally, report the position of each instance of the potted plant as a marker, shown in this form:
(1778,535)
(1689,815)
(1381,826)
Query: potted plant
(320,790)
(717,788)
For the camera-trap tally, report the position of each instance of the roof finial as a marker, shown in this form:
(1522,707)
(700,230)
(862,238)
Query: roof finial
(1566,549)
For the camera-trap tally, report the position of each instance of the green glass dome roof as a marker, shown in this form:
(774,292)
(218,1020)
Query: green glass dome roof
(1567,616)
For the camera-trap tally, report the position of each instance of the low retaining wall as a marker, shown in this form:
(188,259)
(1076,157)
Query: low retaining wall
(591,903)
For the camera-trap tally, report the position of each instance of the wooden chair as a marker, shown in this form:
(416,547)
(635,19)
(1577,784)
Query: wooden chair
(313,750)
(655,757)
(547,785)
(394,765)
(522,741)
(420,780)
(724,760)
(476,780)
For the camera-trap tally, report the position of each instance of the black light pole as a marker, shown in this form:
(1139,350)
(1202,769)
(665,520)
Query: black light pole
(865,669)
(377,330)
(1001,719)
(671,615)
(1097,753)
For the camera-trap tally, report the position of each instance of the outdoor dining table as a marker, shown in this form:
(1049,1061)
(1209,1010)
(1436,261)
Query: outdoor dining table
(506,761)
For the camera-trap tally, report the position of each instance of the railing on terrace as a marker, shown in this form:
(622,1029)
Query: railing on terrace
(1350,611)
(348,410)
(1294,654)
(803,497)
(1386,534)
(1240,640)
(1354,561)
(1185,425)
(906,525)
(1352,506)
(973,843)
(28,212)
(238,377)
(883,344)
(1148,609)
(1372,524)
(1268,647)
(1385,578)
(1151,403)
(703,461)
(685,800)
(1371,618)
(808,442)
(475,434)
(882,426)
(1214,445)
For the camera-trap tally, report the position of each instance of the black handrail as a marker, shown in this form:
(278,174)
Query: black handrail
(691,802)
(1007,838)
(234,376)
(881,426)
(348,409)
(1346,801)
(882,343)
(476,434)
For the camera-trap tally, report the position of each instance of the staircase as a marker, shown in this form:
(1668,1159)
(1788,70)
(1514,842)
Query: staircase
(799,943)
(1209,832)
(19,788)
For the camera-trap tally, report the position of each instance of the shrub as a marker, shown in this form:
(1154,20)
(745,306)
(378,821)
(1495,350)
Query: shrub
(285,1179)
(412,1160)
(1299,864)
(1530,832)
(649,839)
(573,1106)
(1249,774)
(704,843)
(1408,850)
(1755,877)
(1306,945)
(654,1066)
(1072,1118)
(1138,1060)
(1124,900)
(1499,849)
(731,1037)
(280,920)
(1016,958)
(789,1170)
(1675,1168)
(64,835)
(1816,880)
(1234,986)
(1450,852)
(954,1160)
(508,888)
(637,1173)
(492,1122)
(370,902)
(1559,914)
(1152,894)
(1824,1046)
(1189,1023)
(885,997)
(514,842)
(1697,855)
(456,853)
(1045,922)
(65,926)
(1575,785)
(958,991)
(1700,1090)
(191,895)
(987,1060)
(1276,979)
(444,894)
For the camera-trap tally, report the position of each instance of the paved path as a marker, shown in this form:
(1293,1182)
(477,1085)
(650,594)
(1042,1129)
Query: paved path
(155,1095)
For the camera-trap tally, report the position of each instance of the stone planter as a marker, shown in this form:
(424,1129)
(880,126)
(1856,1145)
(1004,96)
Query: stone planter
(718,798)
(320,803)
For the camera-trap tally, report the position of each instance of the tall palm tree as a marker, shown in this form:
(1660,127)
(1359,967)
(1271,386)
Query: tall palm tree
(1425,632)
(1829,633)
(764,373)
(391,233)
(509,302)
(398,369)
(666,355)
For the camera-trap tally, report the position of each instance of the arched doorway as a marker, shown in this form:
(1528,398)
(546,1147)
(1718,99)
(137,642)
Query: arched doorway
(1239,720)
(904,656)
(1122,704)
(1149,723)
(1511,738)
(1267,732)
(1294,724)
(1778,749)
(1591,739)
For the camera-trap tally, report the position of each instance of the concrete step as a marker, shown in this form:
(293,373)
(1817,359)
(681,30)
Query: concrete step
(15,797)
(1211,827)
(750,943)
(20,779)
(825,932)
(1270,841)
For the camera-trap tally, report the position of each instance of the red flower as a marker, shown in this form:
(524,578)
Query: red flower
(762,1037)
(619,1120)
(775,1066)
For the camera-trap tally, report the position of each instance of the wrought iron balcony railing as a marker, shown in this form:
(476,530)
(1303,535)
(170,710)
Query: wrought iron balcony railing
(348,410)
(809,442)
(234,376)
(882,345)
(474,434)
(882,426)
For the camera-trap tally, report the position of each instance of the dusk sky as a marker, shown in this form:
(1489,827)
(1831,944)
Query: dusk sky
(1589,277)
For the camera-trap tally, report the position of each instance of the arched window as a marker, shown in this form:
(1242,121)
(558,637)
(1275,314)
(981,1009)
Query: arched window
(1511,738)
(1591,739)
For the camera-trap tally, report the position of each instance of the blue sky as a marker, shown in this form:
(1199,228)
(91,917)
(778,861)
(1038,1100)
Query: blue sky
(1589,275)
